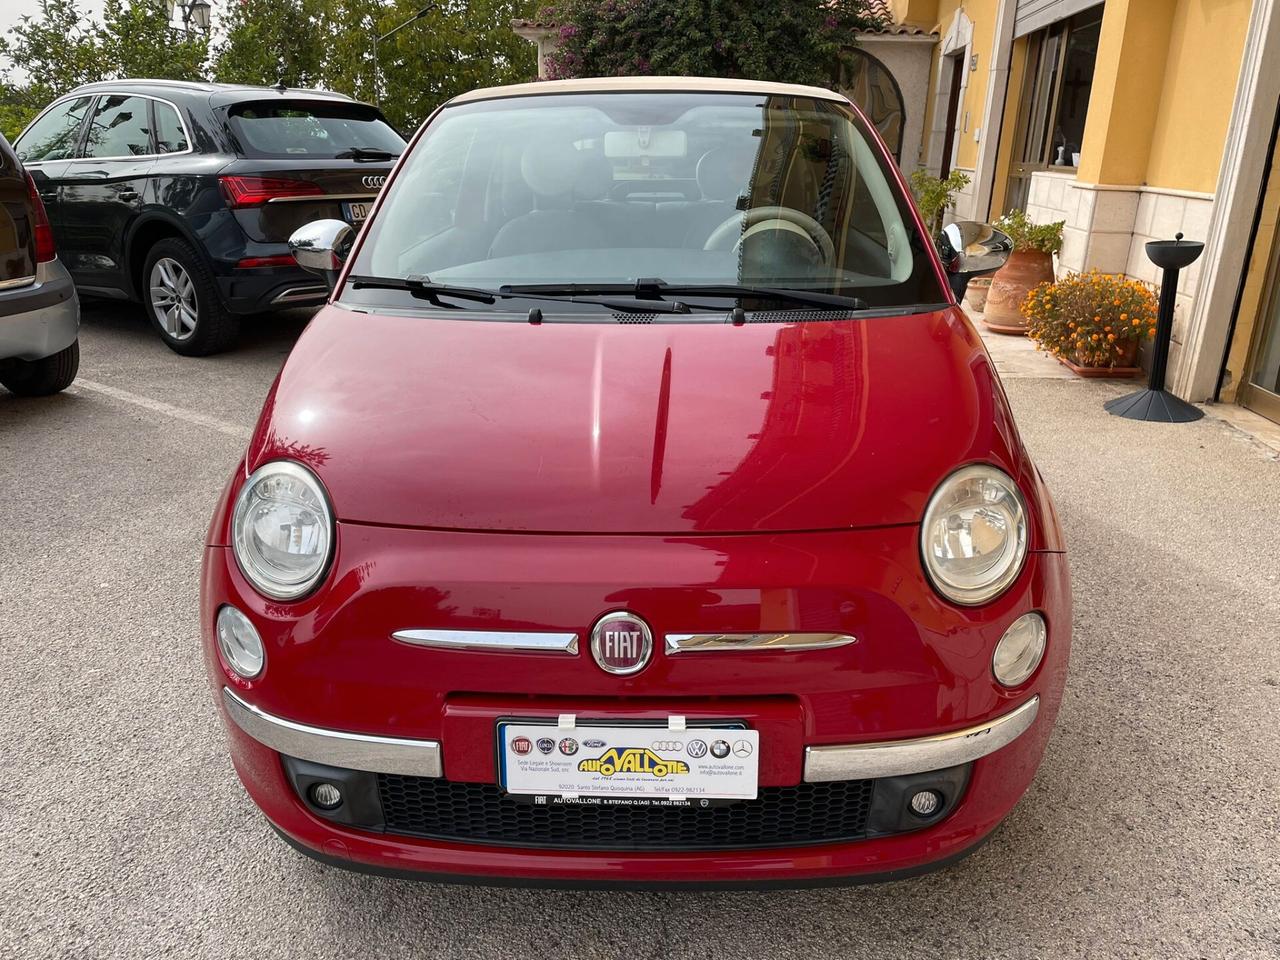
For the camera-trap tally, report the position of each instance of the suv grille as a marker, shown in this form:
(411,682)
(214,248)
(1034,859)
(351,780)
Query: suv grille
(482,813)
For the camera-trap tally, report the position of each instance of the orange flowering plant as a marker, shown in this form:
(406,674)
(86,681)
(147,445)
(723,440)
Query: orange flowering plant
(1093,319)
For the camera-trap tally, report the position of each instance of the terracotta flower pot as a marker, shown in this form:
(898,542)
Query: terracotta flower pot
(976,294)
(1023,272)
(1125,367)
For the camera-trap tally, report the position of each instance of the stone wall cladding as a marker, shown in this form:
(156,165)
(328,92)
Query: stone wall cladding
(1106,228)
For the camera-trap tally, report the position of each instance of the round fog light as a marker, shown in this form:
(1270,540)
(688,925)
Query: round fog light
(1019,651)
(239,643)
(326,796)
(926,803)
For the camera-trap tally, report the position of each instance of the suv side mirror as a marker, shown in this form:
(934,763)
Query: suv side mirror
(322,246)
(970,249)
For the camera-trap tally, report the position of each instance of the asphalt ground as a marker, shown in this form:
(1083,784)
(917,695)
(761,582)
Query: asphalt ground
(1151,831)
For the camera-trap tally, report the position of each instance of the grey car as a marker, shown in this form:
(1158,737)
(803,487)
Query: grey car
(39,310)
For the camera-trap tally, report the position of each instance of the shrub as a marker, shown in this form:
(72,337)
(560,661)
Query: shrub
(933,196)
(1091,318)
(799,41)
(1047,237)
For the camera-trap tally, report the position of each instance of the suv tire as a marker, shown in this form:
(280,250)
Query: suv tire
(182,303)
(39,378)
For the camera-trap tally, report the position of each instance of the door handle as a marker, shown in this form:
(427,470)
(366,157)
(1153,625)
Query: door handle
(128,194)
(49,195)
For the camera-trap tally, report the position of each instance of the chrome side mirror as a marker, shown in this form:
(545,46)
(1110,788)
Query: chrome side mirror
(322,246)
(970,249)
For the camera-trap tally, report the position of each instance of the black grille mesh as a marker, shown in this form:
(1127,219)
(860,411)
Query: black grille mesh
(483,813)
(797,316)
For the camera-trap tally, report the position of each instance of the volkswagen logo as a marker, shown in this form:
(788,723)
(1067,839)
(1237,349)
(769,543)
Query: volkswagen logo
(373,182)
(621,643)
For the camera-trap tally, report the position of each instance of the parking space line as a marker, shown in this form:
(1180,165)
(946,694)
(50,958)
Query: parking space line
(167,409)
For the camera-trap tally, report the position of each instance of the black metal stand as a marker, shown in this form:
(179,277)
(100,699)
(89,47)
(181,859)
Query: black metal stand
(1155,402)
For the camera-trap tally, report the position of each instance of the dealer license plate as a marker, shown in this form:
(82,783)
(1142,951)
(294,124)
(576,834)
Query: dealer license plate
(357,212)
(706,763)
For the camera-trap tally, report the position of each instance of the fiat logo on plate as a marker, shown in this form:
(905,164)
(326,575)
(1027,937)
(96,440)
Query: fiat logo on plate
(621,643)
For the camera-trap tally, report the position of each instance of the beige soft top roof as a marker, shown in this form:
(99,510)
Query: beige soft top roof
(637,84)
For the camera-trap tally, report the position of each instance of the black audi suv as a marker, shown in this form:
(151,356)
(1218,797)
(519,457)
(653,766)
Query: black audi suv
(182,196)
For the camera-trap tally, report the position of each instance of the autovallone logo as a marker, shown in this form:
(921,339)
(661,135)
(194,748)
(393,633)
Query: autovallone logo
(632,760)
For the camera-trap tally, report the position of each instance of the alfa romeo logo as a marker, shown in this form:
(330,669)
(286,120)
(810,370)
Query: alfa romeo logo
(621,643)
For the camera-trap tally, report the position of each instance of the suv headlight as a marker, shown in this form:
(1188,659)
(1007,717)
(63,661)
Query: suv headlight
(974,536)
(282,530)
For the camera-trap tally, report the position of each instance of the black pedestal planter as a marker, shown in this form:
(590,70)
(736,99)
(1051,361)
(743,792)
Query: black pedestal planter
(1155,402)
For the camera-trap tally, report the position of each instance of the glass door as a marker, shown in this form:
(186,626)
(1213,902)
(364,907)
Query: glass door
(1261,388)
(1054,101)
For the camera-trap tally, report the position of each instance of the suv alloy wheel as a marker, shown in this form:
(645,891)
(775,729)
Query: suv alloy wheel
(182,301)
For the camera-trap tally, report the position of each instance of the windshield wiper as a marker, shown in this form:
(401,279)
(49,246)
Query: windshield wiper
(652,291)
(792,294)
(364,153)
(426,289)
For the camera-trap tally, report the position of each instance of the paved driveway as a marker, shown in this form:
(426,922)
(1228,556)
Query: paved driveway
(1151,831)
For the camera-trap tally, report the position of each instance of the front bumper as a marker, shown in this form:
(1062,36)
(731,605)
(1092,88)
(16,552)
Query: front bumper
(41,318)
(422,758)
(913,696)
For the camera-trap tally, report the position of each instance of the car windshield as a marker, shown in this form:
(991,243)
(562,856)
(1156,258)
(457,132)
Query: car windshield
(317,129)
(609,190)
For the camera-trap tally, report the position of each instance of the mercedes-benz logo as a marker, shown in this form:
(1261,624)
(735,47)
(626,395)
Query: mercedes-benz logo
(742,748)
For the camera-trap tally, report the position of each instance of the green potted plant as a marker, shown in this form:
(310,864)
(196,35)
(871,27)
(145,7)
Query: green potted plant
(1092,322)
(934,195)
(1030,265)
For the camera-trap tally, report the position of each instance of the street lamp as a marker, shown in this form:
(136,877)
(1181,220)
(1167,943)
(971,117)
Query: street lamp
(377,70)
(194,13)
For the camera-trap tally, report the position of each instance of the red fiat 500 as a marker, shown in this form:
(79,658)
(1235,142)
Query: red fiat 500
(641,508)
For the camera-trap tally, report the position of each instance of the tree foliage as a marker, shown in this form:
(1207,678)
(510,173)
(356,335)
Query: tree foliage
(273,40)
(799,41)
(61,47)
(459,45)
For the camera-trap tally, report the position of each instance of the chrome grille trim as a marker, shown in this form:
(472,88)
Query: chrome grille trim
(354,751)
(503,641)
(754,642)
(895,758)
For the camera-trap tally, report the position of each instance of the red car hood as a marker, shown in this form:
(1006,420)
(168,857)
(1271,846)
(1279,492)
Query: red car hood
(632,428)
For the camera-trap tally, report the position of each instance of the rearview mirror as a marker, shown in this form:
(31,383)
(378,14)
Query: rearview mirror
(970,249)
(322,246)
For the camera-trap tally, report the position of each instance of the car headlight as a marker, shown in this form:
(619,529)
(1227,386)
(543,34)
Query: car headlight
(974,536)
(282,530)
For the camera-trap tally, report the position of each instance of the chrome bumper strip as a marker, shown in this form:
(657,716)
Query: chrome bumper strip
(505,641)
(750,642)
(866,761)
(300,295)
(355,751)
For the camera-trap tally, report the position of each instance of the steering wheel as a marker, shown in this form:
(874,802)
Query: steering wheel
(772,218)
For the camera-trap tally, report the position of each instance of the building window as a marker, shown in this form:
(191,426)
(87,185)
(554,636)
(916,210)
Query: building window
(1054,101)
(868,83)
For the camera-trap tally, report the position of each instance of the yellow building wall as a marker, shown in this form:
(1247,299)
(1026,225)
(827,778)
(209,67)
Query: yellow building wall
(922,13)
(1163,88)
(983,15)
(1206,44)
(1127,79)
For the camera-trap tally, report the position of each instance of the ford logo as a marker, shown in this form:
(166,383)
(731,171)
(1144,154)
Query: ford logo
(621,643)
(373,182)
